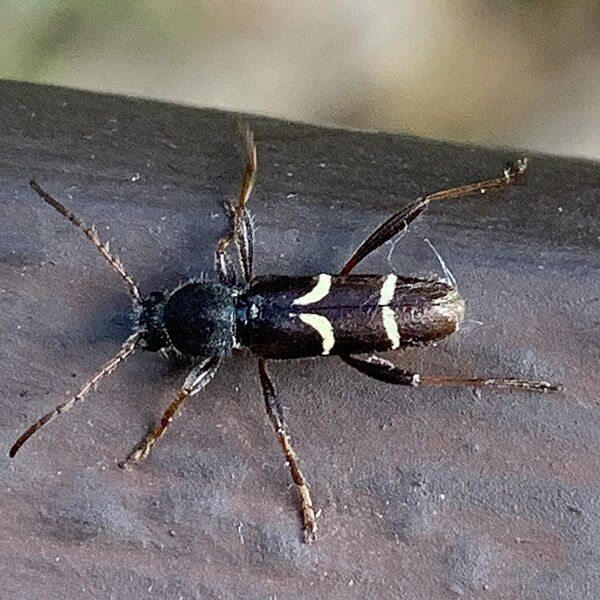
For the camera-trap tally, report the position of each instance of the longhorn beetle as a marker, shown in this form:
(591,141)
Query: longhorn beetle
(283,317)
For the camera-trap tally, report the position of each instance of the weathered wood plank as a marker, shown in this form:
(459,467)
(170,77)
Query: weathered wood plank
(425,493)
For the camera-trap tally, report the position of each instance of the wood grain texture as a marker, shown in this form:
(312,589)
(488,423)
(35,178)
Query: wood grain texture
(425,494)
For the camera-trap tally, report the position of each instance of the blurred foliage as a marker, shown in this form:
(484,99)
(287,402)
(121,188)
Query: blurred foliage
(43,32)
(501,72)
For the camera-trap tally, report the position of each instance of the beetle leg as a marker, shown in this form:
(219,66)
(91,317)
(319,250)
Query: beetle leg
(241,231)
(223,263)
(197,380)
(512,175)
(385,371)
(244,238)
(275,413)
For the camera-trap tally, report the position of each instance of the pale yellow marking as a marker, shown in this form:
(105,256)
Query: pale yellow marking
(391,326)
(388,316)
(319,292)
(388,289)
(324,328)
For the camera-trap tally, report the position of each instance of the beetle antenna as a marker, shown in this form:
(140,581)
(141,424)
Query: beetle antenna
(91,234)
(127,349)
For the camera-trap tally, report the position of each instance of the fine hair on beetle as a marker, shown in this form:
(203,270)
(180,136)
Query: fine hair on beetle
(285,317)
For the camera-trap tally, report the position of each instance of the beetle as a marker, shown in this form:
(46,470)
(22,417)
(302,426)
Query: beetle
(284,317)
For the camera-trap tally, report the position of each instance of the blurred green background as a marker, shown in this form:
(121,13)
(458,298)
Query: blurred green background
(514,72)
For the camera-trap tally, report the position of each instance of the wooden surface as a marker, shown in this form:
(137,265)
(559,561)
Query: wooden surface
(425,494)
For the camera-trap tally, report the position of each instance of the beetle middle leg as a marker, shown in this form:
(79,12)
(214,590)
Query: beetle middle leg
(275,413)
(385,371)
(513,174)
(197,380)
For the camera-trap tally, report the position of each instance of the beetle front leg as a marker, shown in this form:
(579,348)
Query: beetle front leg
(275,413)
(223,263)
(242,230)
(197,380)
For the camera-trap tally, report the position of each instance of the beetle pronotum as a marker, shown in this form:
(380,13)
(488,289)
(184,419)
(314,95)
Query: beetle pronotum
(283,317)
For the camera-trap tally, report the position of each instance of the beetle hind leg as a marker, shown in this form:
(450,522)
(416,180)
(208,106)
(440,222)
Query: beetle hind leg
(513,174)
(385,371)
(275,413)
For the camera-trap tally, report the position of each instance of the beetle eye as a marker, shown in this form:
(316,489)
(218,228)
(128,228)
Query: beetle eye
(150,322)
